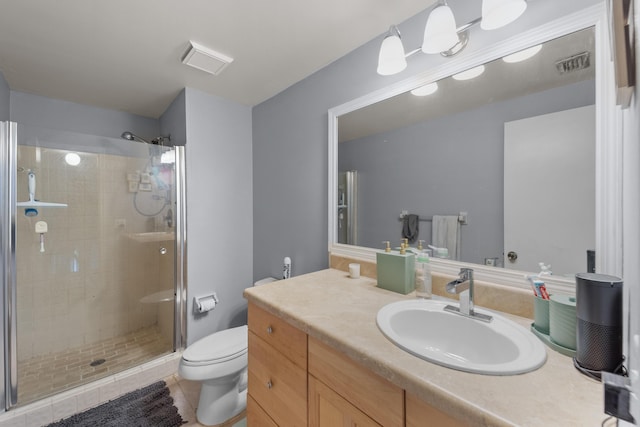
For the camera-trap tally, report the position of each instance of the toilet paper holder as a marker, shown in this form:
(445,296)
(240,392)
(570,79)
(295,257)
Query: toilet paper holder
(205,303)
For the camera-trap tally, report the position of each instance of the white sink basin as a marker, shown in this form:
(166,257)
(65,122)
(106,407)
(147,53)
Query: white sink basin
(424,329)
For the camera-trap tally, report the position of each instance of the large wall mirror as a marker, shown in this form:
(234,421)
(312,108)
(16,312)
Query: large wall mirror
(513,157)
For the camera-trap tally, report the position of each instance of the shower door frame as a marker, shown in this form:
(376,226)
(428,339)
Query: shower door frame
(8,300)
(9,373)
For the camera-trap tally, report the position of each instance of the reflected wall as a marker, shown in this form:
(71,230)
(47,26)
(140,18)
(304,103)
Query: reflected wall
(445,166)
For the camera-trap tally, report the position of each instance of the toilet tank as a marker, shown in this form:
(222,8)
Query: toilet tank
(265,281)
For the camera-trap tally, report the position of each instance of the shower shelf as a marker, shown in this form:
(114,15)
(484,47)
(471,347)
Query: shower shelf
(154,236)
(162,296)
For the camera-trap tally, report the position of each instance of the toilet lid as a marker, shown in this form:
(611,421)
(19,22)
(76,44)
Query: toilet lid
(218,347)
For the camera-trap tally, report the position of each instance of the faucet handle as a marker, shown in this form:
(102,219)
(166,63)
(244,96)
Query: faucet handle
(466,273)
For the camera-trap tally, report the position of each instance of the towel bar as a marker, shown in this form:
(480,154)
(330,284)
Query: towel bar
(462,217)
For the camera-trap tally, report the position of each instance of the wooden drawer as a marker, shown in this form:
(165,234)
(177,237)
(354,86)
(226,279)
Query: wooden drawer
(277,384)
(372,394)
(256,415)
(419,411)
(287,339)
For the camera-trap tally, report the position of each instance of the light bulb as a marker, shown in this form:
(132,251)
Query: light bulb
(440,32)
(391,59)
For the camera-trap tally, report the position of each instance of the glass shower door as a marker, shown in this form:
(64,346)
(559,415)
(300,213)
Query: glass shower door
(95,250)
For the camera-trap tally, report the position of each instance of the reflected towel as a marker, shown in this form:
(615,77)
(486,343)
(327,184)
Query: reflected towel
(445,233)
(410,227)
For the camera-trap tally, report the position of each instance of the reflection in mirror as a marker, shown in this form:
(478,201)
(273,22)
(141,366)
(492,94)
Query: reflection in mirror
(513,148)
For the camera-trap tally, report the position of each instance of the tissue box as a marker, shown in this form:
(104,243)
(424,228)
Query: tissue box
(396,272)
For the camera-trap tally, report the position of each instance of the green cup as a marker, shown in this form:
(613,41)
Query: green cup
(541,315)
(562,319)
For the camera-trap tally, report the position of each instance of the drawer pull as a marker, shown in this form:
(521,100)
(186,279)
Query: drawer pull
(269,330)
(269,384)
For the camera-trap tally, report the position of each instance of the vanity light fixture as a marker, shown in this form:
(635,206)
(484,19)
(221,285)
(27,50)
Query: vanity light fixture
(441,34)
(522,55)
(469,74)
(425,90)
(391,59)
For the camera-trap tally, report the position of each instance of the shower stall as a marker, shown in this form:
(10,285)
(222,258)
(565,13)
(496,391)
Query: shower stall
(92,254)
(348,207)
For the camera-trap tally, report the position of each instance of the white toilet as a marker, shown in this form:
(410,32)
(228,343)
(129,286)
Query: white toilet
(219,360)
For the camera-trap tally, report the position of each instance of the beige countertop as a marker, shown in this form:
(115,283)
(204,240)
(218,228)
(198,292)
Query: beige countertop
(341,312)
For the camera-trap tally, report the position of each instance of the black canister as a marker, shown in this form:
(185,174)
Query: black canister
(599,322)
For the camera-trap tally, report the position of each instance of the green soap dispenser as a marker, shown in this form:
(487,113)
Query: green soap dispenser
(396,270)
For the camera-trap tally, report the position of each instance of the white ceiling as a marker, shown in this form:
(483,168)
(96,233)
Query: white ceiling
(126,54)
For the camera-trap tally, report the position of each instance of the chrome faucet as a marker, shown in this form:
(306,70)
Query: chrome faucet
(463,286)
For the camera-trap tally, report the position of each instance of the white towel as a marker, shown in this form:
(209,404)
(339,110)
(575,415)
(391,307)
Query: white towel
(445,233)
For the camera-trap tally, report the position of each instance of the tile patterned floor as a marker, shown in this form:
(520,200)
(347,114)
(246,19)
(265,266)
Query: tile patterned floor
(185,395)
(53,373)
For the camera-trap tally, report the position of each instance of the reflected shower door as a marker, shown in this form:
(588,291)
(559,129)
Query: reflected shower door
(95,246)
(348,207)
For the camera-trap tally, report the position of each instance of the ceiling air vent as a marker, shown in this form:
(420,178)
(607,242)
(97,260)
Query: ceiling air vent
(205,59)
(574,63)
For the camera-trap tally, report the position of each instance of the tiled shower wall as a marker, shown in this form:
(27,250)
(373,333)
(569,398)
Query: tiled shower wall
(88,283)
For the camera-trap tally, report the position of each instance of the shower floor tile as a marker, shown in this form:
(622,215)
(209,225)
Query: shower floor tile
(53,373)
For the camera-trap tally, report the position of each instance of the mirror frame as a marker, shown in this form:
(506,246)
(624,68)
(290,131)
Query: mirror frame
(608,148)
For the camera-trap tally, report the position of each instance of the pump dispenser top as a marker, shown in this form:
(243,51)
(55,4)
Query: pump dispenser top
(395,270)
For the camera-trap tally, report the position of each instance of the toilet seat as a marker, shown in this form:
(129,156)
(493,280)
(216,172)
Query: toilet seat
(217,348)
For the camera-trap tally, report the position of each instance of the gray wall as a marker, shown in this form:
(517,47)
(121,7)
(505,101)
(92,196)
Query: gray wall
(219,215)
(445,166)
(28,109)
(173,121)
(4,99)
(290,136)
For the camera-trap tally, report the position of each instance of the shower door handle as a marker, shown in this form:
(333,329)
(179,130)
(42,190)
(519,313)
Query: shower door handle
(163,250)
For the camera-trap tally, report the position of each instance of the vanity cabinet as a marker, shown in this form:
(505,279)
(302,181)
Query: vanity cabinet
(296,380)
(277,371)
(339,387)
(418,412)
(256,416)
(327,408)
